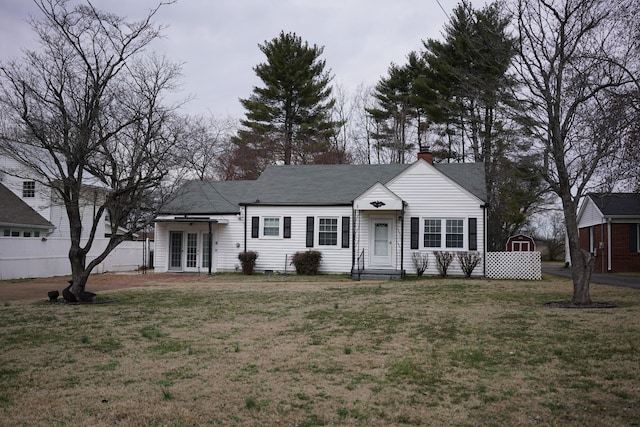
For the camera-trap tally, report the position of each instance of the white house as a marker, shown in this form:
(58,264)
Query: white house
(364,219)
(38,246)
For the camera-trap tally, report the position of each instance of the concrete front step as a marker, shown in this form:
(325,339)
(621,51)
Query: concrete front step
(378,274)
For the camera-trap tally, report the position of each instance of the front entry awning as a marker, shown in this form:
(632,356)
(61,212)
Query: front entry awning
(378,198)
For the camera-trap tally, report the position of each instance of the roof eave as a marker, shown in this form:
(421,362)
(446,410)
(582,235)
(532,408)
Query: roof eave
(274,204)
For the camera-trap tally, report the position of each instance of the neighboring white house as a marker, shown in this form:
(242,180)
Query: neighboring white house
(364,219)
(39,246)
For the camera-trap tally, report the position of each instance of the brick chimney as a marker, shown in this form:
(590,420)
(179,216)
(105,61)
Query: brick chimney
(426,155)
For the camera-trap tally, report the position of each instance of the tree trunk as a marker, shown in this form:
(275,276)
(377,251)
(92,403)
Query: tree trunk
(582,278)
(77,254)
(582,262)
(79,275)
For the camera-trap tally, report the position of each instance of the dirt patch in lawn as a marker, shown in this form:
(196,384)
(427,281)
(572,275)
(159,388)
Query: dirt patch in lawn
(33,289)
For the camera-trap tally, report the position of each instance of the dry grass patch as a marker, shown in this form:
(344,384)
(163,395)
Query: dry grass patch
(227,350)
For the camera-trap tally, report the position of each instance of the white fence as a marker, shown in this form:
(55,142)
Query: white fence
(27,258)
(514,265)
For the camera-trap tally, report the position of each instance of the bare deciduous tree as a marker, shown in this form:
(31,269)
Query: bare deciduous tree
(203,144)
(85,113)
(576,62)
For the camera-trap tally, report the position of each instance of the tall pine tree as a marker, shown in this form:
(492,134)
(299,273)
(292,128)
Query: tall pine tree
(398,115)
(288,120)
(471,99)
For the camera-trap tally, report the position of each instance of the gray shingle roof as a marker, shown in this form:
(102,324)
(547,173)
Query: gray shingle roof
(319,184)
(468,175)
(617,204)
(15,212)
(306,185)
(208,197)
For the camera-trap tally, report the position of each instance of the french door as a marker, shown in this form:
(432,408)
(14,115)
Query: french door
(189,251)
(192,252)
(175,250)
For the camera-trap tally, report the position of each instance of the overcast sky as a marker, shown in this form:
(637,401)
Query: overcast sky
(217,40)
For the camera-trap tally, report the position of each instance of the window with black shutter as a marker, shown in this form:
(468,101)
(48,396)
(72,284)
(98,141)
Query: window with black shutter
(286,232)
(345,231)
(309,231)
(255,227)
(415,232)
(473,234)
(633,238)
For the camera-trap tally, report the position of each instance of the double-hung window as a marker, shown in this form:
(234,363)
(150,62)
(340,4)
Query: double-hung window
(328,231)
(28,189)
(432,233)
(439,233)
(271,227)
(455,233)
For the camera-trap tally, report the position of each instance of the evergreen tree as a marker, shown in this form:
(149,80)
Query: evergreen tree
(471,101)
(288,120)
(398,116)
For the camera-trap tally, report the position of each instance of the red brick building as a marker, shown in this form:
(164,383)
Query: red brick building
(609,228)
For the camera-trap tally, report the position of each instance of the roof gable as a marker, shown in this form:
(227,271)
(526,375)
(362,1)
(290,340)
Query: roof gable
(617,204)
(15,212)
(378,197)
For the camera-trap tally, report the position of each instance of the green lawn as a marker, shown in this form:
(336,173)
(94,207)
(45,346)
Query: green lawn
(230,350)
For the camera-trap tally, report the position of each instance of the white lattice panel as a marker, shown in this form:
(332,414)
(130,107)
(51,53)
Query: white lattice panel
(514,265)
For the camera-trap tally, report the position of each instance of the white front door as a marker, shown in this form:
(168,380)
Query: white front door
(381,243)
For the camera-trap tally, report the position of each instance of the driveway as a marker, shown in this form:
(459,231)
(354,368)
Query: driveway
(602,279)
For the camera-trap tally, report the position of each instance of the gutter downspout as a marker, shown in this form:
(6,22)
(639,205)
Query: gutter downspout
(246,208)
(402,272)
(210,254)
(353,237)
(609,255)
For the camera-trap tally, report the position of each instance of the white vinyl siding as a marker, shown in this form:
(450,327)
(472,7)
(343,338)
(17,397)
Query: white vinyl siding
(275,255)
(430,195)
(226,243)
(590,215)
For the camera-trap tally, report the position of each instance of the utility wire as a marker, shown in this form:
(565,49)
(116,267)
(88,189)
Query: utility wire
(443,9)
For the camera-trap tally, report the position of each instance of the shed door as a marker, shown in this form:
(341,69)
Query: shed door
(521,246)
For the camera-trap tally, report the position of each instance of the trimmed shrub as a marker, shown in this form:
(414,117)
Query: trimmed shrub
(248,261)
(420,262)
(469,261)
(443,260)
(307,262)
